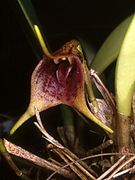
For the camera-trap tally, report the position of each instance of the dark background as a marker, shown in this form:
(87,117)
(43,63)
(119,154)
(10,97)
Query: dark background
(62,20)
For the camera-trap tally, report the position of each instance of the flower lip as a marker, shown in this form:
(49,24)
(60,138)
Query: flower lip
(63,71)
(59,82)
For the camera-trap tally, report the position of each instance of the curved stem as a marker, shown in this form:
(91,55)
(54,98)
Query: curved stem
(89,87)
(88,80)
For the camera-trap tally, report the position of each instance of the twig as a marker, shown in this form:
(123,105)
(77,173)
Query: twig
(124,172)
(55,162)
(72,166)
(105,154)
(103,90)
(47,136)
(120,167)
(75,166)
(100,147)
(90,157)
(112,168)
(22,153)
(81,165)
(7,156)
(76,159)
(68,155)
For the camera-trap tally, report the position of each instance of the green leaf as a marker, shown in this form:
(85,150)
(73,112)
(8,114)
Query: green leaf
(29,13)
(125,72)
(32,19)
(110,49)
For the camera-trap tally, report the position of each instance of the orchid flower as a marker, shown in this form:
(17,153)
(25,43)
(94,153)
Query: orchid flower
(59,79)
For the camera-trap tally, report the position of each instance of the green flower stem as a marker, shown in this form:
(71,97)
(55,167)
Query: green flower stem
(67,115)
(89,86)
(42,42)
(88,80)
(68,122)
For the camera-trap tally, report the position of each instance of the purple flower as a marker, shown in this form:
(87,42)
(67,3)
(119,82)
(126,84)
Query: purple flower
(59,80)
